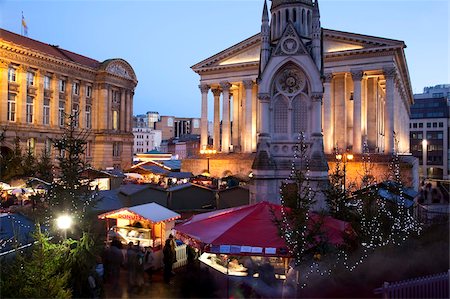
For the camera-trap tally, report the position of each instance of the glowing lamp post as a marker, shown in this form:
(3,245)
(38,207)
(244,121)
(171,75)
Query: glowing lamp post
(424,158)
(64,222)
(208,153)
(345,157)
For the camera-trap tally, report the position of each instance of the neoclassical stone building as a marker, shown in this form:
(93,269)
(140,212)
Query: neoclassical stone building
(341,89)
(41,83)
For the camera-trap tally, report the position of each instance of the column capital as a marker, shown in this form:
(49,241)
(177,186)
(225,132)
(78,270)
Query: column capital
(225,86)
(264,97)
(248,84)
(317,97)
(357,75)
(216,92)
(328,77)
(390,72)
(204,88)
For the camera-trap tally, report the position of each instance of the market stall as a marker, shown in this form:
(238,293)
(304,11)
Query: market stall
(144,225)
(240,241)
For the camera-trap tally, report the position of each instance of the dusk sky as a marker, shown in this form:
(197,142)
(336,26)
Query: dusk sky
(163,39)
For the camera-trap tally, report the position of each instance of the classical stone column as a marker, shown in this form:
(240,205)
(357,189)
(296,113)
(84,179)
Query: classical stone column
(216,126)
(248,85)
(130,113)
(235,123)
(204,117)
(122,120)
(357,131)
(102,121)
(226,117)
(3,90)
(328,124)
(82,106)
(255,111)
(389,74)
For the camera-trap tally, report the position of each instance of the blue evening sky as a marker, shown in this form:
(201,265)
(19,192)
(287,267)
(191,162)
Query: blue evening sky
(162,39)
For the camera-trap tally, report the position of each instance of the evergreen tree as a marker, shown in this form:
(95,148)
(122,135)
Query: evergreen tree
(13,163)
(40,273)
(29,164)
(44,167)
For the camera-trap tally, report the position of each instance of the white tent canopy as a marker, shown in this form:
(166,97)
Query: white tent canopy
(150,211)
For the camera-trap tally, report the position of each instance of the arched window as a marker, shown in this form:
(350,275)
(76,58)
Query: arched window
(303,16)
(308,30)
(280,115)
(287,15)
(279,24)
(294,15)
(300,115)
(274,24)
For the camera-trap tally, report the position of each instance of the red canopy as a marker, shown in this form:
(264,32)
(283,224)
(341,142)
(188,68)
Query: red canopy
(247,229)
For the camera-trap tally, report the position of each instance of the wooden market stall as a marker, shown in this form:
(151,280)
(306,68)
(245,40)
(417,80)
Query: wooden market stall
(144,225)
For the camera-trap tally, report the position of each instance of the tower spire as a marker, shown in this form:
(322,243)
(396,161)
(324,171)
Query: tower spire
(316,36)
(265,38)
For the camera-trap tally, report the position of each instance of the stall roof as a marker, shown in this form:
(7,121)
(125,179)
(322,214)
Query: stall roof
(150,211)
(180,175)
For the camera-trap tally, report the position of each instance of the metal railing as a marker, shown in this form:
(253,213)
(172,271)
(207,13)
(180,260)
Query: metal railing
(432,286)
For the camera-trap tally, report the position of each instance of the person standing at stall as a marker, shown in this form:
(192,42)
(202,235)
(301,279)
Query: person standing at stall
(148,262)
(131,266)
(169,259)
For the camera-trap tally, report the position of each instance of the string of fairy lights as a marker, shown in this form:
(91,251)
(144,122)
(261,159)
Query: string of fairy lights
(374,213)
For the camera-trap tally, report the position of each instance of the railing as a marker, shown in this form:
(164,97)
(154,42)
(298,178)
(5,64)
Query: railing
(432,286)
(433,214)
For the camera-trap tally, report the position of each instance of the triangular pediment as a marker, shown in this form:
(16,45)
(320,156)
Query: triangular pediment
(338,41)
(290,43)
(245,52)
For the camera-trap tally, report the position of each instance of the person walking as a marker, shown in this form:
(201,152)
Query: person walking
(131,266)
(139,268)
(169,259)
(149,262)
(115,261)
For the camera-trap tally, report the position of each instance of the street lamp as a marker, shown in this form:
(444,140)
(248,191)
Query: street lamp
(345,157)
(64,222)
(208,153)
(424,158)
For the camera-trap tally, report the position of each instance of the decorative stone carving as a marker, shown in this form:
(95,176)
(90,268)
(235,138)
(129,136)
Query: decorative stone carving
(248,84)
(290,81)
(225,85)
(317,97)
(13,87)
(204,88)
(390,73)
(357,75)
(216,92)
(328,77)
(289,44)
(119,70)
(264,97)
(32,90)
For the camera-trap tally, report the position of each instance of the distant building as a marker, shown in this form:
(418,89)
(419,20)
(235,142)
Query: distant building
(186,146)
(430,121)
(147,120)
(174,127)
(146,139)
(41,83)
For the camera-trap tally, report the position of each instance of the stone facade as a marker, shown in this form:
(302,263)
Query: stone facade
(40,84)
(340,89)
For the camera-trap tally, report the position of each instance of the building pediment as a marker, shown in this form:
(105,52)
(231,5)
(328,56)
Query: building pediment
(339,42)
(245,53)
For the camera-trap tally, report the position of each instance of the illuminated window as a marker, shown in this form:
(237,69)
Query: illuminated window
(76,88)
(280,116)
(47,81)
(115,120)
(61,113)
(11,74)
(31,145)
(88,91)
(46,116)
(62,85)
(116,149)
(88,117)
(11,114)
(30,79)
(29,108)
(75,113)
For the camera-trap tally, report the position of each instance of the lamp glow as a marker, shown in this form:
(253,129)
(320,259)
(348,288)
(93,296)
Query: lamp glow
(64,222)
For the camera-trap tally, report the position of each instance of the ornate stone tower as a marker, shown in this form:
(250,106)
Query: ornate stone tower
(290,95)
